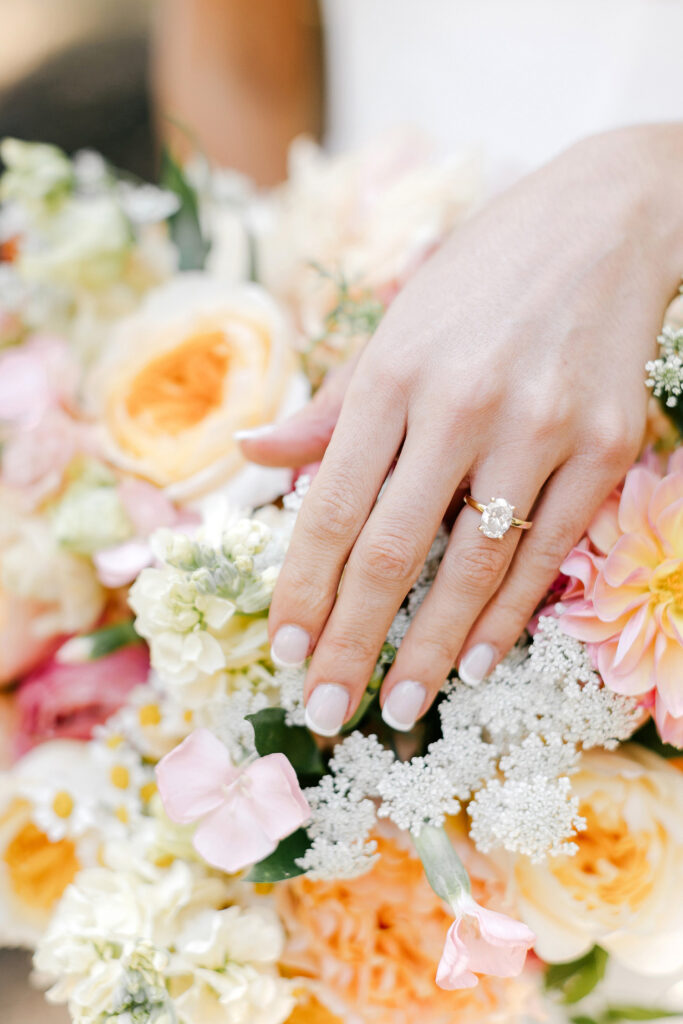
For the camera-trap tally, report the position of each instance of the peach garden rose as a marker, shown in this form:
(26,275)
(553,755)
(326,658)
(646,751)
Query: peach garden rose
(197,362)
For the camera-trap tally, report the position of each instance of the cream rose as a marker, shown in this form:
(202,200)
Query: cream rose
(197,362)
(622,889)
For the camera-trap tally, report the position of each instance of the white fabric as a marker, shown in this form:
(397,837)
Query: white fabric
(522,78)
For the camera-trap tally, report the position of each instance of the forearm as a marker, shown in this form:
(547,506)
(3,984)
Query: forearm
(241,77)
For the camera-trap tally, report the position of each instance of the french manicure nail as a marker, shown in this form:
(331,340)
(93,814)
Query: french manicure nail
(290,647)
(403,705)
(254,432)
(326,709)
(477,664)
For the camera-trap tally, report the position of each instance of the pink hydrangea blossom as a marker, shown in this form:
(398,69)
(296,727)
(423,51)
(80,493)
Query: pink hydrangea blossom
(482,941)
(625,592)
(67,700)
(243,810)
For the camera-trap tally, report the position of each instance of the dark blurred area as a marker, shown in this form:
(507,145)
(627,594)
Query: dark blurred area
(75,73)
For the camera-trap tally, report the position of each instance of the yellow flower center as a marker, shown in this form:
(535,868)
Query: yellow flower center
(611,867)
(149,714)
(670,587)
(178,389)
(121,813)
(39,871)
(63,804)
(147,791)
(114,741)
(120,776)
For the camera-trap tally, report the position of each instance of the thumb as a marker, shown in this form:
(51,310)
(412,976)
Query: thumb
(303,437)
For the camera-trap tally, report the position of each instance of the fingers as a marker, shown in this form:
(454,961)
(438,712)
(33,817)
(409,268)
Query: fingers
(566,509)
(303,437)
(383,565)
(471,571)
(368,435)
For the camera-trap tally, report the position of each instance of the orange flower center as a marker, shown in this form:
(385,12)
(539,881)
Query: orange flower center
(670,587)
(39,871)
(178,389)
(611,867)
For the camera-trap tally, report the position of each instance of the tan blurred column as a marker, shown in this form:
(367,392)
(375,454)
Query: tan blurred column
(243,76)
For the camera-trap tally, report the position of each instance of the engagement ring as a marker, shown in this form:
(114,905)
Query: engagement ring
(496,517)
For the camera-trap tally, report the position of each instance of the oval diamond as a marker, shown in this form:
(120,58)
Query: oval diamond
(496,519)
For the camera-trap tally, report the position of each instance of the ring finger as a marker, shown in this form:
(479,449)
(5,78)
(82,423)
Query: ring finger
(471,571)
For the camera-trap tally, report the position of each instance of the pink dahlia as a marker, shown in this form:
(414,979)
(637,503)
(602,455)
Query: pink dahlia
(625,596)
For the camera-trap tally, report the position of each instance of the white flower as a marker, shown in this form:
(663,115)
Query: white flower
(89,518)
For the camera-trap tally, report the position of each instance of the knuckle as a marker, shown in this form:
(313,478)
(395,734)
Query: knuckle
(390,558)
(348,644)
(330,514)
(615,439)
(481,566)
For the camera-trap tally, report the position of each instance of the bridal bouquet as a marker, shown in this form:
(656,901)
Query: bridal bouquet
(174,843)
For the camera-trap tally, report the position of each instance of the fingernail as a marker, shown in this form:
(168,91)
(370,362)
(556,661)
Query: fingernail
(326,709)
(403,705)
(477,664)
(290,647)
(254,432)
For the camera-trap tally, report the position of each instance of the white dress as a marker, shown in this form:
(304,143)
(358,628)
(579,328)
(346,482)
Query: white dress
(521,78)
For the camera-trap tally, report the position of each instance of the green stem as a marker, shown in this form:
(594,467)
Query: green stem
(444,870)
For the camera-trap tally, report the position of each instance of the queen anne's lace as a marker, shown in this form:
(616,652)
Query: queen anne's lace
(665,374)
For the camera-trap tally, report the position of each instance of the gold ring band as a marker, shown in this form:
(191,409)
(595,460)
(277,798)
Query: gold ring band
(496,517)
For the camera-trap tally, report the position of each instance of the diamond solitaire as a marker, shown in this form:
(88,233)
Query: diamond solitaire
(496,517)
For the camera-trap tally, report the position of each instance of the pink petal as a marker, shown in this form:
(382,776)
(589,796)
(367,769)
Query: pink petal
(669,527)
(453,971)
(583,565)
(120,565)
(676,461)
(146,506)
(639,486)
(582,623)
(670,729)
(640,679)
(231,838)
(672,622)
(631,560)
(668,491)
(502,944)
(192,777)
(636,636)
(276,799)
(604,531)
(611,603)
(669,675)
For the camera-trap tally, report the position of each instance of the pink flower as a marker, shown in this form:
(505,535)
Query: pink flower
(148,509)
(625,597)
(67,700)
(34,378)
(482,941)
(21,646)
(244,811)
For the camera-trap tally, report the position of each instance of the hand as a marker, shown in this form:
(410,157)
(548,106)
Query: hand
(511,365)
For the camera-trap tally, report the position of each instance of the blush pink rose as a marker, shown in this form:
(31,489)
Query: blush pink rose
(67,700)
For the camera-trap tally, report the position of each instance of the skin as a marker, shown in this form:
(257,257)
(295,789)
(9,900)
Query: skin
(511,365)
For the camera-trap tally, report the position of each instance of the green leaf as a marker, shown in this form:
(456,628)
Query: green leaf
(99,643)
(274,736)
(579,977)
(619,1013)
(648,737)
(582,1019)
(186,229)
(281,863)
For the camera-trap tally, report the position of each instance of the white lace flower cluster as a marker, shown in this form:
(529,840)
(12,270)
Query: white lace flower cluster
(134,943)
(201,611)
(507,752)
(665,374)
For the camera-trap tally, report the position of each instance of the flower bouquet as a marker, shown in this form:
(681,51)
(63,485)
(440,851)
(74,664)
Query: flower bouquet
(174,843)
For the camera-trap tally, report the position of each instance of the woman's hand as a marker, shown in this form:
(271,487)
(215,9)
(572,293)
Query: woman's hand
(512,366)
